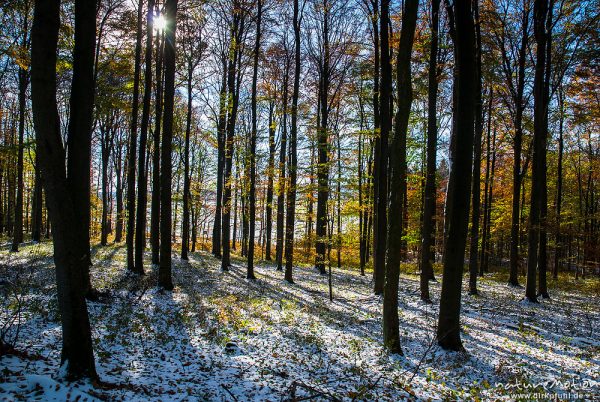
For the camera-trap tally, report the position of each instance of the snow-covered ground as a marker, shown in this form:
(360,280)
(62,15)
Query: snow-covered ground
(218,336)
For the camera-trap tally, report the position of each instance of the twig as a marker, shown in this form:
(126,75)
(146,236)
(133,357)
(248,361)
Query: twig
(229,392)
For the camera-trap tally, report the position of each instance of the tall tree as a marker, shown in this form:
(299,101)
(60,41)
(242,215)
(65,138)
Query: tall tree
(221,124)
(142,187)
(23,79)
(459,187)
(428,228)
(514,62)
(380,168)
(543,247)
(476,183)
(540,128)
(233,71)
(252,194)
(293,160)
(323,142)
(70,248)
(164,271)
(391,330)
(280,224)
(270,174)
(132,155)
(158,104)
(192,48)
(79,141)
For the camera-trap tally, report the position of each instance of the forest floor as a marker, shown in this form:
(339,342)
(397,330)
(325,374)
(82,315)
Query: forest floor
(220,337)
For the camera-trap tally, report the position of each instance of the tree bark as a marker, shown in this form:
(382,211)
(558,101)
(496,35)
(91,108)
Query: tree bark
(476,183)
(428,235)
(70,248)
(142,187)
(540,127)
(270,174)
(463,35)
(233,99)
(131,159)
(252,194)
(323,149)
(517,147)
(282,173)
(380,159)
(23,78)
(185,230)
(221,123)
(391,329)
(155,203)
(164,271)
(293,159)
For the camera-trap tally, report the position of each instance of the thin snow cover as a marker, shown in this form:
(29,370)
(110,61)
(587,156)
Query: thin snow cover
(220,337)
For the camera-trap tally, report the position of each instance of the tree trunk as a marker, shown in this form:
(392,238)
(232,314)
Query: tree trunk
(476,183)
(23,82)
(323,149)
(281,182)
(36,215)
(270,174)
(559,183)
(428,235)
(517,149)
(391,330)
(380,163)
(233,99)
(131,159)
(221,123)
(293,159)
(543,248)
(155,214)
(540,128)
(185,230)
(70,248)
(252,194)
(142,187)
(463,35)
(164,271)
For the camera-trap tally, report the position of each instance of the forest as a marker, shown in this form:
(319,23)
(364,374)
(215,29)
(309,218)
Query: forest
(299,200)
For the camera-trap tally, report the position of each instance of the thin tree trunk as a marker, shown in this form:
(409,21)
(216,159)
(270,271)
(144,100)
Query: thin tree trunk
(428,235)
(391,323)
(164,271)
(282,171)
(131,160)
(23,83)
(380,161)
(270,174)
(323,149)
(543,247)
(476,183)
(559,183)
(540,11)
(185,230)
(293,159)
(233,99)
(252,195)
(221,123)
(36,224)
(142,186)
(517,147)
(155,203)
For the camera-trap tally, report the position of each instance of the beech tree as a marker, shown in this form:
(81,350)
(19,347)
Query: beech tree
(63,187)
(459,188)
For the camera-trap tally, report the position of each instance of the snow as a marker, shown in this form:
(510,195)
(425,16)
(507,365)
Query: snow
(218,336)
